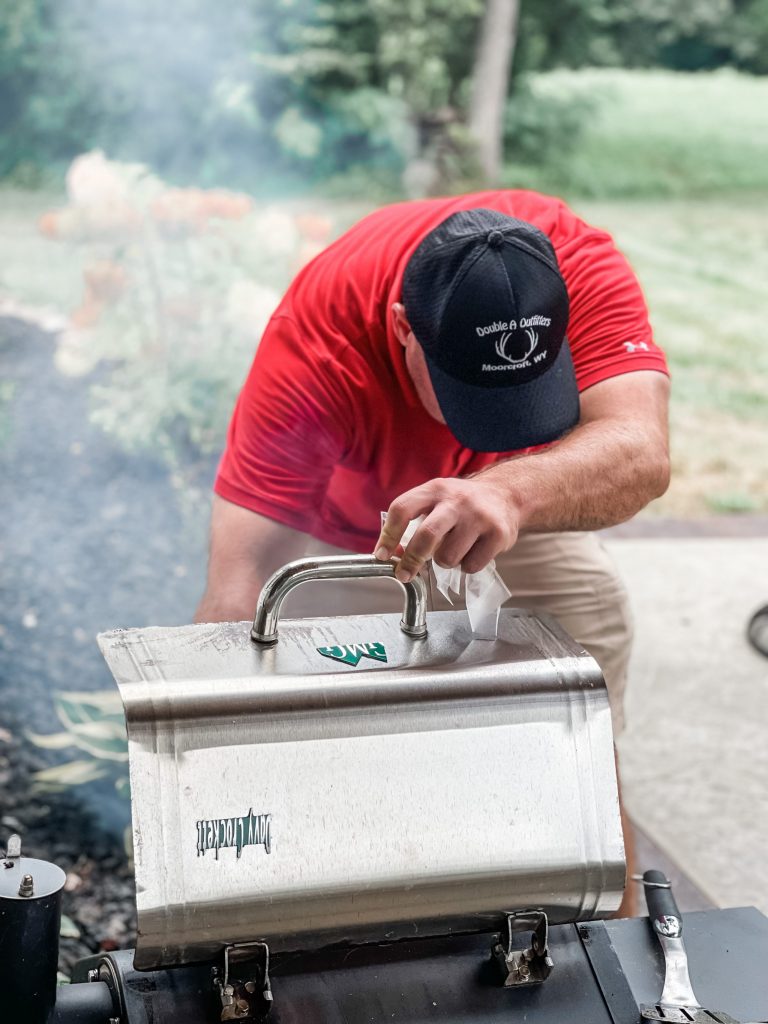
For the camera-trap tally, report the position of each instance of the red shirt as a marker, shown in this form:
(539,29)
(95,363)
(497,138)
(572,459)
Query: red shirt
(328,428)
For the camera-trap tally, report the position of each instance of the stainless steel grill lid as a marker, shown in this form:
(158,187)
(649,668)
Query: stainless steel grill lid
(352,783)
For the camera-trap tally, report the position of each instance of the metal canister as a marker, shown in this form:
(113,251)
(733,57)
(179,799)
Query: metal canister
(30,918)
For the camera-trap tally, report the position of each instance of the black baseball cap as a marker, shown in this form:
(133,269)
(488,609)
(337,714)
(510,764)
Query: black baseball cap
(486,301)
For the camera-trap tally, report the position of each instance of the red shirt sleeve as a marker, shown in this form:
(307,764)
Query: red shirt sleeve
(288,429)
(609,331)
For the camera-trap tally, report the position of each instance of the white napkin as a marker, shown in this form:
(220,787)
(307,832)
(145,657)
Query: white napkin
(484,591)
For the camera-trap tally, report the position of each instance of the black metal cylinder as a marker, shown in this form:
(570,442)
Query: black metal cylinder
(84,1003)
(30,917)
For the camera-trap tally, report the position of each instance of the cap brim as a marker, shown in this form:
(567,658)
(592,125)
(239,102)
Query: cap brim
(504,419)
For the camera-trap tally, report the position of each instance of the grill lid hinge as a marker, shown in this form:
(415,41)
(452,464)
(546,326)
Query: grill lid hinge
(532,964)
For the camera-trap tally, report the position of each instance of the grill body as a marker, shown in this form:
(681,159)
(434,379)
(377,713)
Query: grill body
(353,784)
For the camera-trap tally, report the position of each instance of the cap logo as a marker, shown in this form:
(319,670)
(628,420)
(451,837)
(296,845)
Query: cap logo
(497,325)
(503,345)
(503,341)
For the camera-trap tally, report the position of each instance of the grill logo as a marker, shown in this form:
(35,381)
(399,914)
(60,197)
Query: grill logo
(350,654)
(250,830)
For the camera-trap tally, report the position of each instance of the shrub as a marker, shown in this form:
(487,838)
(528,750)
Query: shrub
(545,124)
(179,285)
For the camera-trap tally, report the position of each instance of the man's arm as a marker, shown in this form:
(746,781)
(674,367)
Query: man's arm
(610,466)
(246,548)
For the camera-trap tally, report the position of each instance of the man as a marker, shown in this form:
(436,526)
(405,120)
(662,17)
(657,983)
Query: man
(484,361)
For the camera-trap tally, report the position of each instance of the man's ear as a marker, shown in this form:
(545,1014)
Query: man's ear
(400,323)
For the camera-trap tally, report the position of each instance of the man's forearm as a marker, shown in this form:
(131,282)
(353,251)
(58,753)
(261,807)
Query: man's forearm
(612,464)
(600,475)
(246,548)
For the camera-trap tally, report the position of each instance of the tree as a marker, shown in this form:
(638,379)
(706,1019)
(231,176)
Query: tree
(490,83)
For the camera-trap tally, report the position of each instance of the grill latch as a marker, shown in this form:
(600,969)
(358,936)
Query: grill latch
(532,964)
(243,983)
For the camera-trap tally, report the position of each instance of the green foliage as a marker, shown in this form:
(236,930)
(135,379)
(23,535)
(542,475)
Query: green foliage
(35,97)
(749,36)
(93,724)
(684,35)
(68,929)
(544,125)
(272,88)
(298,137)
(274,91)
(353,84)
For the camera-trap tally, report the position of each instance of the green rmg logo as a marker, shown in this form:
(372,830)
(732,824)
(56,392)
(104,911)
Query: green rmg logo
(350,654)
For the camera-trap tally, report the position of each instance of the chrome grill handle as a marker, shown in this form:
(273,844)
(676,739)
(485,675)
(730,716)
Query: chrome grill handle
(335,567)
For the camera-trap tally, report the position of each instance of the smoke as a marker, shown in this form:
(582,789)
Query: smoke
(170,84)
(117,420)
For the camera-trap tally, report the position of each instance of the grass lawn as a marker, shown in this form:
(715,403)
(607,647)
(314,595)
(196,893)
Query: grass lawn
(656,133)
(703,265)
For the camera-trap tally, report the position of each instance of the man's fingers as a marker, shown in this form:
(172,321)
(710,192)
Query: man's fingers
(405,508)
(480,554)
(464,524)
(389,540)
(425,541)
(456,545)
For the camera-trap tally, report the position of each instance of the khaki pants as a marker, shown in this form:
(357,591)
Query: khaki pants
(569,575)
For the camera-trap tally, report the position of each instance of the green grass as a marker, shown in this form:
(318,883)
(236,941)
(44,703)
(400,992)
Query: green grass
(703,264)
(657,133)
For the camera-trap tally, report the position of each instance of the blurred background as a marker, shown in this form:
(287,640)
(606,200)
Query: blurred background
(165,169)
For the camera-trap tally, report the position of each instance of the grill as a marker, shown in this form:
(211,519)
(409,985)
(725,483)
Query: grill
(378,818)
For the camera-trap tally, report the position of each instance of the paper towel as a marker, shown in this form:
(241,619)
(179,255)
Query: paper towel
(484,591)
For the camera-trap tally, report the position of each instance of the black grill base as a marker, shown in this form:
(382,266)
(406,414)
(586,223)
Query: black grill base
(602,972)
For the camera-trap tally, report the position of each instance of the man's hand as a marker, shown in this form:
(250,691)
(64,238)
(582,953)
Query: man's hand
(608,468)
(467,523)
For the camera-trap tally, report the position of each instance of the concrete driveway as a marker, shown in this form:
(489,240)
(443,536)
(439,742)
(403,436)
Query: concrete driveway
(695,752)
